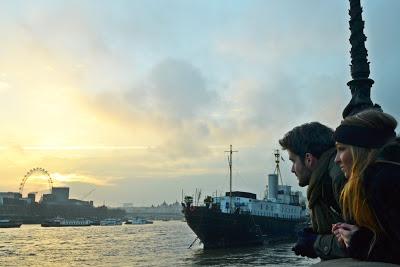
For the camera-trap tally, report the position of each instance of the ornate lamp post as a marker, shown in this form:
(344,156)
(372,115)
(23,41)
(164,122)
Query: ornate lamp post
(360,85)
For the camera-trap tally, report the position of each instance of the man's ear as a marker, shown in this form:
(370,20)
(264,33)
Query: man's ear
(310,161)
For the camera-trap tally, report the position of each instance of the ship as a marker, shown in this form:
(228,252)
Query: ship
(61,222)
(110,222)
(7,223)
(138,220)
(240,219)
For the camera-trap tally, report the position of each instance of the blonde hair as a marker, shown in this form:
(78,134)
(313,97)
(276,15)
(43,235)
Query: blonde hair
(353,199)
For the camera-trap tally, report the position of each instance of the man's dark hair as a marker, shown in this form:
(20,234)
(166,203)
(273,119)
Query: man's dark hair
(313,137)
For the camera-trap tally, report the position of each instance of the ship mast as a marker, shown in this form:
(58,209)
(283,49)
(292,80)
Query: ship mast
(277,170)
(230,177)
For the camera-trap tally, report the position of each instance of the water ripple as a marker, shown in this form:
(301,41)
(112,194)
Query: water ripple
(159,244)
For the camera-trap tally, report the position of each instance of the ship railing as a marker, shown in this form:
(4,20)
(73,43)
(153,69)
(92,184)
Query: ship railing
(244,209)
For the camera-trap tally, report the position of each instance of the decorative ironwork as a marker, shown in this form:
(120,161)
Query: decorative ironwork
(360,85)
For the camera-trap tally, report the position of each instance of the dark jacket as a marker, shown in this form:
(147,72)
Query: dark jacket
(326,184)
(382,189)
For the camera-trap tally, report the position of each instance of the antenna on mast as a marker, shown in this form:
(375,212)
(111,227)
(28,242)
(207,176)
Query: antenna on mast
(230,177)
(277,170)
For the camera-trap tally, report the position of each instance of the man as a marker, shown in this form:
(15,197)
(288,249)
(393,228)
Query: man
(311,148)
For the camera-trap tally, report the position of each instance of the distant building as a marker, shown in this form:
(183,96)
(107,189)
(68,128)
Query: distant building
(60,194)
(9,197)
(60,197)
(32,197)
(46,198)
(12,205)
(78,202)
(162,211)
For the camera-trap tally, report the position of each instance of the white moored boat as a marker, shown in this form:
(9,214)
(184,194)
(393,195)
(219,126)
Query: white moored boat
(61,222)
(110,221)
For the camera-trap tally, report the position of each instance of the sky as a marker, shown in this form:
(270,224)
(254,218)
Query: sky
(136,101)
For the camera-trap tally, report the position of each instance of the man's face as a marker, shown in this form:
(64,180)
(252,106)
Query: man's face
(302,173)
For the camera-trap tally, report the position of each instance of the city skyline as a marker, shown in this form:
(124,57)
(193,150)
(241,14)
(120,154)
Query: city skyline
(139,99)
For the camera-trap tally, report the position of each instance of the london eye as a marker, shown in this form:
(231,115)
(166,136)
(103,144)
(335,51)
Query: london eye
(32,172)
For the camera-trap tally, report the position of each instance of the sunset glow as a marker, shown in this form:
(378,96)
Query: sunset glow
(142,108)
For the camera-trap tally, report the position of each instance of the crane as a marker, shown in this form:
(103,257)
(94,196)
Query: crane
(87,194)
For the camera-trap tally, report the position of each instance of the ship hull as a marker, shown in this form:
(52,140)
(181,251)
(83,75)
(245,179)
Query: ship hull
(216,229)
(10,225)
(63,225)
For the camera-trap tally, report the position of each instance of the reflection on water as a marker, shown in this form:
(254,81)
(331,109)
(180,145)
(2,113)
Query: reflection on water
(268,255)
(159,244)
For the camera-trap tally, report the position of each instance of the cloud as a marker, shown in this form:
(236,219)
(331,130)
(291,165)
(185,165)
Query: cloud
(67,178)
(80,81)
(173,90)
(178,89)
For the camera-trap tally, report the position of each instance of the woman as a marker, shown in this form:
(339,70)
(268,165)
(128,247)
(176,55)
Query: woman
(369,155)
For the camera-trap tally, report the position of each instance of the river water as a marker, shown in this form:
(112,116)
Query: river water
(158,244)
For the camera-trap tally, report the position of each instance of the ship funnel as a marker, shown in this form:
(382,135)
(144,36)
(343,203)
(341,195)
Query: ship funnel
(272,186)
